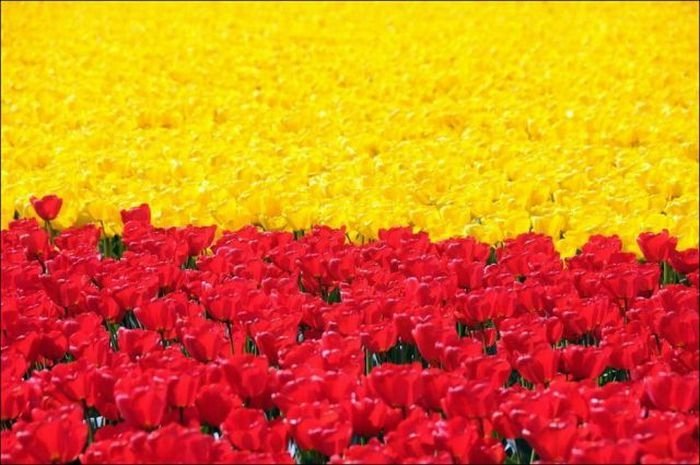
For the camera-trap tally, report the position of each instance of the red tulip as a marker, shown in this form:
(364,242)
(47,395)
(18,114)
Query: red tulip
(623,284)
(53,345)
(657,247)
(470,275)
(372,452)
(585,362)
(13,364)
(487,451)
(413,437)
(552,439)
(540,366)
(17,399)
(247,375)
(664,436)
(214,402)
(56,436)
(84,238)
(106,306)
(680,328)
(626,354)
(397,385)
(456,353)
(247,429)
(159,315)
(614,417)
(495,370)
(137,342)
(198,238)
(100,387)
(427,335)
(669,391)
(472,399)
(458,435)
(141,399)
(140,214)
(379,337)
(686,261)
(204,339)
(72,379)
(370,416)
(320,426)
(466,249)
(435,384)
(605,451)
(182,389)
(47,207)
(11,451)
(302,390)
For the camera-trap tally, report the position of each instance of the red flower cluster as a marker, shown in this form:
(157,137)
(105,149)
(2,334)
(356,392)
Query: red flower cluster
(265,347)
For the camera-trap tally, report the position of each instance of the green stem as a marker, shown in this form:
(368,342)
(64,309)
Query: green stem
(112,328)
(230,335)
(87,420)
(49,231)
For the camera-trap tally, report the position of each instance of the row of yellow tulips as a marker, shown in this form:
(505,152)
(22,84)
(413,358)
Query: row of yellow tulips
(461,119)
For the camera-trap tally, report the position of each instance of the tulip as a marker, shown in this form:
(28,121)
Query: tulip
(47,207)
(141,400)
(54,436)
(214,402)
(141,214)
(657,248)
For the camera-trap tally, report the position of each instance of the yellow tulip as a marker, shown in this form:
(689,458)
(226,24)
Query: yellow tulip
(553,225)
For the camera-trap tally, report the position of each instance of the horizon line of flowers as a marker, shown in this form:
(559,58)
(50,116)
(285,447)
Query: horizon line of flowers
(49,206)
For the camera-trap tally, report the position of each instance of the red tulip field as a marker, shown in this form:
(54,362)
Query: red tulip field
(166,346)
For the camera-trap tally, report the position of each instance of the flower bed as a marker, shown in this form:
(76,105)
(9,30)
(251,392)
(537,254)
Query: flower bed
(462,118)
(166,345)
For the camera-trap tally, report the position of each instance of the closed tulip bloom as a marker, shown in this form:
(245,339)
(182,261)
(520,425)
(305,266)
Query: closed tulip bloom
(141,400)
(56,436)
(657,247)
(47,207)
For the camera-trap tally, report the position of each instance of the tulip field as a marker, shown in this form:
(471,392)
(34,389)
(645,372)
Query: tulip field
(328,233)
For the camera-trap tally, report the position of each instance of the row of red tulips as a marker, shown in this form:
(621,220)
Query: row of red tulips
(163,346)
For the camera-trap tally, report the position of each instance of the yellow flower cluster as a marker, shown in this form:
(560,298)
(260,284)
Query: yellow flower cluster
(464,118)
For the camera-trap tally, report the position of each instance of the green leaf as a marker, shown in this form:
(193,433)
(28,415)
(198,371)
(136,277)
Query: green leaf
(333,296)
(492,257)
